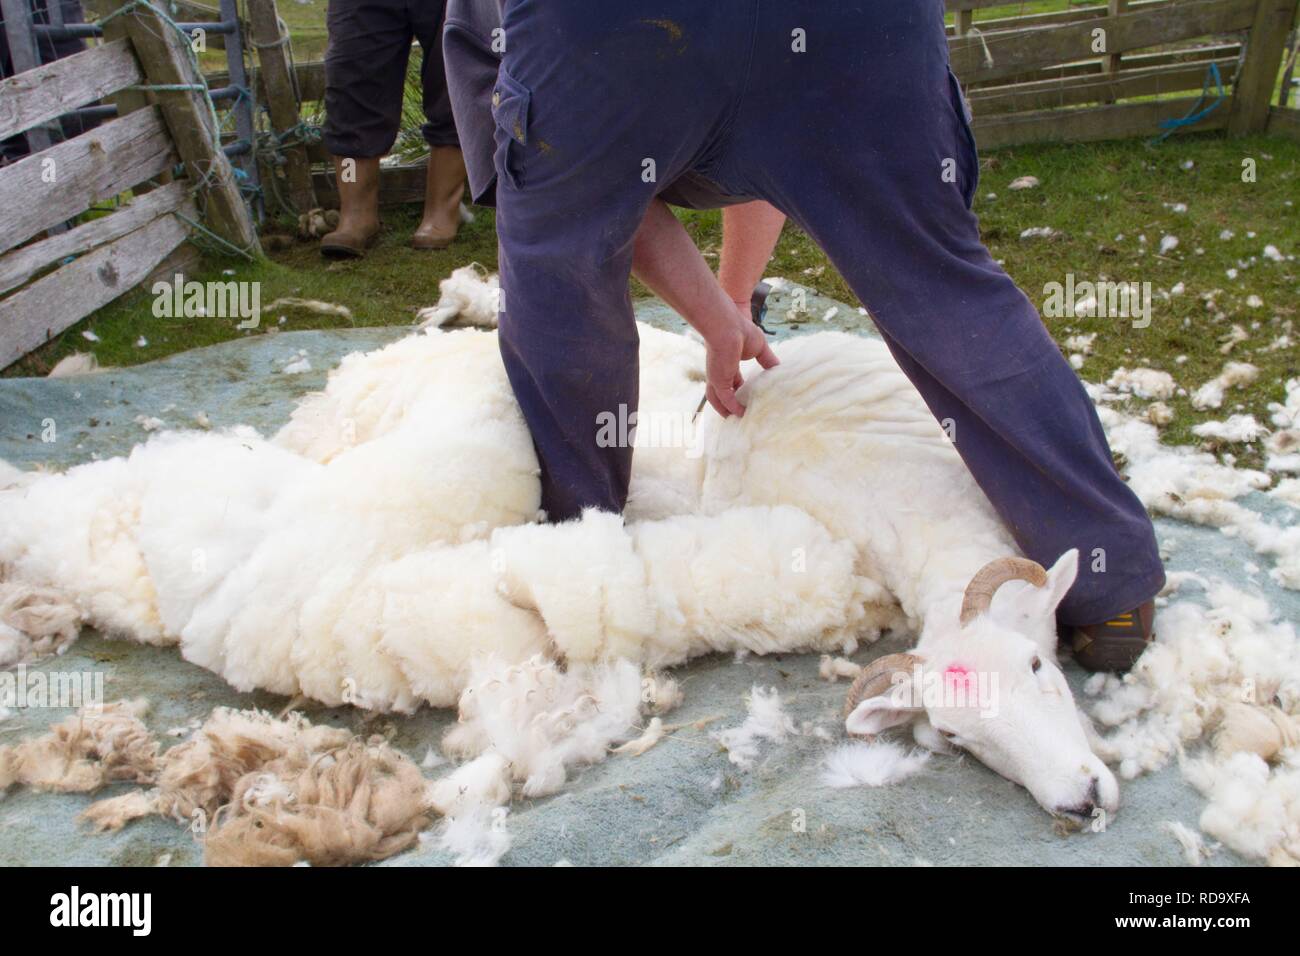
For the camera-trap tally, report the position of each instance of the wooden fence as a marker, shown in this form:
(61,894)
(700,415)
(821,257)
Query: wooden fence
(164,125)
(1122,68)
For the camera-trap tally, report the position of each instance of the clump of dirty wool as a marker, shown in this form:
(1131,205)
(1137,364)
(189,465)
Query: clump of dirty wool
(875,764)
(89,750)
(264,791)
(35,621)
(766,721)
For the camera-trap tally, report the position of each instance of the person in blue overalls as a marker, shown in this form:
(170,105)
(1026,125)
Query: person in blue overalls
(847,118)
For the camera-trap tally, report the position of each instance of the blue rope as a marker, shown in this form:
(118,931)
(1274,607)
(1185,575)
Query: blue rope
(1197,113)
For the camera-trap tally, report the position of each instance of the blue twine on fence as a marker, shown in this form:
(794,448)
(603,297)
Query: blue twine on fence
(1196,114)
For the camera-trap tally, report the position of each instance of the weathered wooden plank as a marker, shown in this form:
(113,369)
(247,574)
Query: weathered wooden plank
(165,59)
(1072,15)
(977,58)
(1087,125)
(99,163)
(1095,67)
(47,92)
(1257,78)
(19,265)
(32,315)
(281,104)
(126,100)
(1075,91)
(1284,122)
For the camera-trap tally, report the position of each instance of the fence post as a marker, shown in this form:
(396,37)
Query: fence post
(165,61)
(281,102)
(962,21)
(1253,90)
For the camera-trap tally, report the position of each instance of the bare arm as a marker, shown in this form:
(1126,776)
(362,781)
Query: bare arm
(666,260)
(749,234)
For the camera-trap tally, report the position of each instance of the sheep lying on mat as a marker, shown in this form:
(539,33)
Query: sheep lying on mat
(387,538)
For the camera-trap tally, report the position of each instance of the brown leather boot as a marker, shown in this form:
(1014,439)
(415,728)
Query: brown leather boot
(444,186)
(358,226)
(1115,645)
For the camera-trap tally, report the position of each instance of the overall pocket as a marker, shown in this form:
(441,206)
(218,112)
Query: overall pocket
(510,102)
(970,161)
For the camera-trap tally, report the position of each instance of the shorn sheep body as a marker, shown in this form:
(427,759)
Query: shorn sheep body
(385,549)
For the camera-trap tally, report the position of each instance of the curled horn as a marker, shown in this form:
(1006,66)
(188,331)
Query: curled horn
(877,677)
(987,580)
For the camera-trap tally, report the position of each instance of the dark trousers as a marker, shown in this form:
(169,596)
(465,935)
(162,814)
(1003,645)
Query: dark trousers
(365,74)
(851,135)
(15,147)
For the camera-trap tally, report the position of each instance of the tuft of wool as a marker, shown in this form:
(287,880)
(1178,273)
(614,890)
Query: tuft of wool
(483,781)
(467,295)
(1159,414)
(34,622)
(767,720)
(476,836)
(1251,809)
(1234,375)
(472,801)
(94,747)
(357,804)
(1264,731)
(653,733)
(78,363)
(1193,843)
(542,720)
(1237,429)
(833,668)
(309,305)
(1143,382)
(663,694)
(875,764)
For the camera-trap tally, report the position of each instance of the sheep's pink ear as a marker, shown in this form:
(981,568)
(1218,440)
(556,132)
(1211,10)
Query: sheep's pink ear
(877,714)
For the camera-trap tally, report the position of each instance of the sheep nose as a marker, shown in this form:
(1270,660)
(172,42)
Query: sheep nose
(1094,792)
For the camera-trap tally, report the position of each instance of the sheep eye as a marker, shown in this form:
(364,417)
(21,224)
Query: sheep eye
(1036,664)
(946,734)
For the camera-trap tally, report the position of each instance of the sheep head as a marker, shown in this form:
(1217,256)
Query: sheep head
(985,680)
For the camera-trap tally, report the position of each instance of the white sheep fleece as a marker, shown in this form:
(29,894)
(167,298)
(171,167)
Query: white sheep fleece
(388,535)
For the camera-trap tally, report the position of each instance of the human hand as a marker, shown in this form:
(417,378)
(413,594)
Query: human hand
(732,344)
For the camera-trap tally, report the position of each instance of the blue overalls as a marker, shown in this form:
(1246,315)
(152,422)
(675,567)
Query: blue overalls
(846,117)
